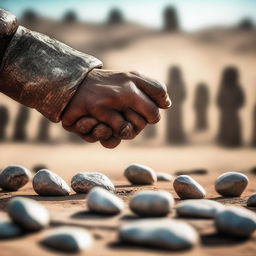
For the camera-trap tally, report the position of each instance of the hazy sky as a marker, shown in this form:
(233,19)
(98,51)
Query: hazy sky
(193,14)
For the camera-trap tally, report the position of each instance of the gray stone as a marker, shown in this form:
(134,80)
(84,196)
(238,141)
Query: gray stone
(9,229)
(83,182)
(101,201)
(140,174)
(163,176)
(28,213)
(251,201)
(47,183)
(68,239)
(14,177)
(149,203)
(199,208)
(236,221)
(231,184)
(188,188)
(160,233)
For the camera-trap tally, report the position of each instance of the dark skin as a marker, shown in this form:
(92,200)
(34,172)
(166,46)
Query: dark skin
(110,106)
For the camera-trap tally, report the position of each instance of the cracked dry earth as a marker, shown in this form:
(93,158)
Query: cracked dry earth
(71,210)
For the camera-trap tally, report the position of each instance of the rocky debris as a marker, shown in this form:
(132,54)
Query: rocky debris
(83,182)
(231,184)
(140,174)
(28,213)
(163,176)
(99,200)
(14,177)
(188,188)
(149,203)
(236,221)
(48,183)
(251,201)
(68,239)
(9,229)
(199,208)
(161,233)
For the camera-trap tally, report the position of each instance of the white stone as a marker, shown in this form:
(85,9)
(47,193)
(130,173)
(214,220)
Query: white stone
(140,174)
(83,182)
(231,184)
(188,188)
(48,183)
(28,213)
(149,203)
(14,177)
(236,221)
(68,239)
(99,200)
(199,208)
(161,233)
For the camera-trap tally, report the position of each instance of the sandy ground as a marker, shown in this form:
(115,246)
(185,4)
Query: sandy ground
(66,160)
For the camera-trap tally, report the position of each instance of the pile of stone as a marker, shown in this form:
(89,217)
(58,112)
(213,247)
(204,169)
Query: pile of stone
(156,229)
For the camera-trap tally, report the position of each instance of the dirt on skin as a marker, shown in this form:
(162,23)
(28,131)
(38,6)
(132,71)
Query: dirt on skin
(71,210)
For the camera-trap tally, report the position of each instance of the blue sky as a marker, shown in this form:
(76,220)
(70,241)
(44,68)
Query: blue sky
(193,14)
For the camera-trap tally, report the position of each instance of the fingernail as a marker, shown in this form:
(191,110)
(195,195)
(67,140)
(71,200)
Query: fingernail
(126,132)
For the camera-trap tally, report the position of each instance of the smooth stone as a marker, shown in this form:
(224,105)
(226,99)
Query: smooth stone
(231,184)
(236,221)
(188,188)
(68,239)
(48,183)
(99,200)
(83,182)
(28,213)
(9,229)
(195,171)
(140,174)
(14,177)
(251,201)
(149,203)
(161,233)
(163,176)
(199,208)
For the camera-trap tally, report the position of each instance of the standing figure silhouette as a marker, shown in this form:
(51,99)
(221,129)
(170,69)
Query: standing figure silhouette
(230,99)
(4,120)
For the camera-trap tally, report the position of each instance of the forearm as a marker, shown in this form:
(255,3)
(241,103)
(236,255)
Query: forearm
(43,73)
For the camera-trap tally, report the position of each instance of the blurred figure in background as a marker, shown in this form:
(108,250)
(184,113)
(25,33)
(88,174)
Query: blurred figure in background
(29,16)
(70,17)
(20,124)
(44,130)
(115,17)
(246,24)
(150,131)
(254,127)
(175,133)
(171,22)
(4,120)
(201,104)
(230,99)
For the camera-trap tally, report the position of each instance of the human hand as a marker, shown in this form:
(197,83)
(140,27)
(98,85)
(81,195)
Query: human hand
(125,102)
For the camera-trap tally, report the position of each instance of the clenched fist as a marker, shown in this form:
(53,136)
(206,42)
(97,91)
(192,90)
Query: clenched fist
(110,106)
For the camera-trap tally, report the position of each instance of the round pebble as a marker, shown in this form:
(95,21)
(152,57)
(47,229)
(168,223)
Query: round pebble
(9,229)
(140,174)
(47,183)
(83,182)
(236,221)
(28,213)
(199,208)
(162,176)
(149,203)
(231,184)
(68,239)
(160,233)
(251,201)
(14,177)
(188,188)
(99,200)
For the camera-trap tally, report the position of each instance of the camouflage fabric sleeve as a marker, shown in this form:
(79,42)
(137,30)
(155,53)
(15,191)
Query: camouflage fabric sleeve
(43,73)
